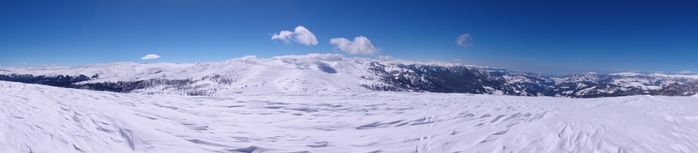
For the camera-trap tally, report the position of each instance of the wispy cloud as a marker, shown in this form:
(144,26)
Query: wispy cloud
(361,45)
(464,40)
(688,72)
(150,57)
(299,35)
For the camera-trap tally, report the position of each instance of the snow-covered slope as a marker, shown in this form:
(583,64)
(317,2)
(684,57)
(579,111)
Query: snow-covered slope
(282,74)
(333,73)
(36,118)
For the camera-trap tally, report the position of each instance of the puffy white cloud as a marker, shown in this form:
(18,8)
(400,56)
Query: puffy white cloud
(299,35)
(304,36)
(150,57)
(464,40)
(284,36)
(361,45)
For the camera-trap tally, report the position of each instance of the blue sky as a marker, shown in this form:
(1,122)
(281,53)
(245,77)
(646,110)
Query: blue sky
(537,36)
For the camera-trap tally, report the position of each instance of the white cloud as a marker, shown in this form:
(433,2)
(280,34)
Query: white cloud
(150,57)
(361,45)
(299,35)
(688,72)
(304,36)
(464,40)
(284,36)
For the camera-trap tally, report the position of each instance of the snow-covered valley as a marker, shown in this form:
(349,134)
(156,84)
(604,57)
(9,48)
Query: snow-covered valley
(44,119)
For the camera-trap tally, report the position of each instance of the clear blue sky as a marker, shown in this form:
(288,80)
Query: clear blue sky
(539,36)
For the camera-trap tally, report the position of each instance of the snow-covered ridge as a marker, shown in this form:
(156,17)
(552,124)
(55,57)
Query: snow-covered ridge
(331,73)
(290,73)
(125,70)
(295,73)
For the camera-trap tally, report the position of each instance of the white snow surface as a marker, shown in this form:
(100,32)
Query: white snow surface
(41,119)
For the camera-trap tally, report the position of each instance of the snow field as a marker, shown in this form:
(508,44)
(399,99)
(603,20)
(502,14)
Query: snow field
(40,119)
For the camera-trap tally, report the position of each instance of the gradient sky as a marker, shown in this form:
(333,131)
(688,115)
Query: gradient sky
(538,36)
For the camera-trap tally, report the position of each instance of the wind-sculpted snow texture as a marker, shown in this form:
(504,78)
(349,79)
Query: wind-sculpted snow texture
(332,73)
(43,119)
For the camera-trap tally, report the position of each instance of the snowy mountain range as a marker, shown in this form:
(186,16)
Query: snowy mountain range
(332,73)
